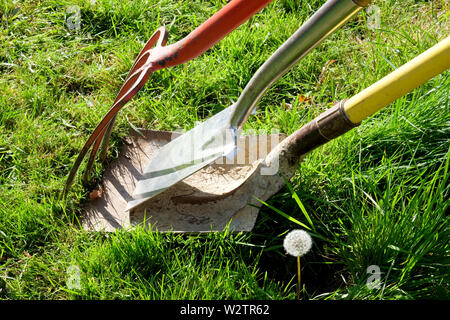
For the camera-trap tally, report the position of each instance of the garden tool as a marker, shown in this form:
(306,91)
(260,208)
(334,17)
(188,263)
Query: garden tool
(217,136)
(151,59)
(227,195)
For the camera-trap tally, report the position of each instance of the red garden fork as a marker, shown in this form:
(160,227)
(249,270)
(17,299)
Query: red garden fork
(151,59)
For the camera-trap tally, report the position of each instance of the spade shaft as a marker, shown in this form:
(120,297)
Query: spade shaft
(332,15)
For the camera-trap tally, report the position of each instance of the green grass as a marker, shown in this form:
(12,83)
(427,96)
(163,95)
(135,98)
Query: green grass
(375,196)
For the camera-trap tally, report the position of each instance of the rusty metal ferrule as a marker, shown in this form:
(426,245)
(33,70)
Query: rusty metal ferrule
(327,126)
(334,122)
(363,3)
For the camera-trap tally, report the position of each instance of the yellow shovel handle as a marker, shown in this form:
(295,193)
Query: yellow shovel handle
(403,80)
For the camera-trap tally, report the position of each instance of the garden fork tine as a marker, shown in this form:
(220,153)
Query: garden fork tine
(129,85)
(137,77)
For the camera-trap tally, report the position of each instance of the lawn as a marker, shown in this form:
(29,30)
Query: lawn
(376,197)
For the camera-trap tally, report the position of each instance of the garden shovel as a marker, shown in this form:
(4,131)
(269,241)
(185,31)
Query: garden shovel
(218,136)
(197,204)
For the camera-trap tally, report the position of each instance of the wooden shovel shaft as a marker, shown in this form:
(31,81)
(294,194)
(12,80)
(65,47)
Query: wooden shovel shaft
(348,114)
(403,80)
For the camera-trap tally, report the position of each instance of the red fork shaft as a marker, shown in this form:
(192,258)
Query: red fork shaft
(212,31)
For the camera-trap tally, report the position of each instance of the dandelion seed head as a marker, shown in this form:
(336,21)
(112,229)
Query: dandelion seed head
(297,243)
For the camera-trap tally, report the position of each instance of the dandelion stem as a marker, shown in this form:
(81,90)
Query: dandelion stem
(299,287)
